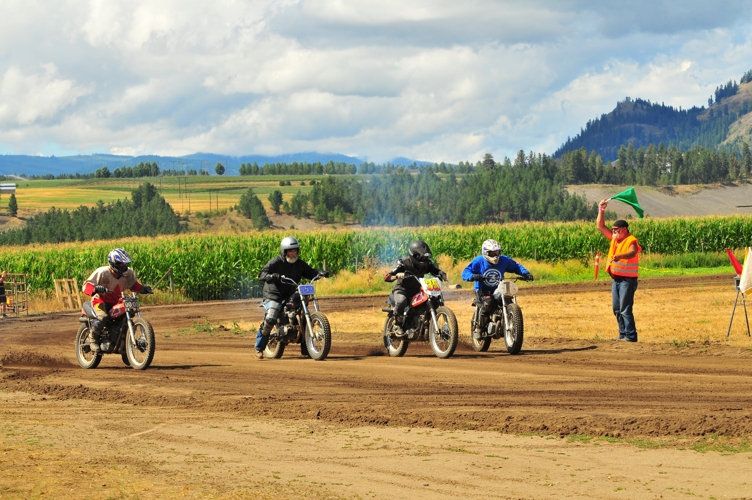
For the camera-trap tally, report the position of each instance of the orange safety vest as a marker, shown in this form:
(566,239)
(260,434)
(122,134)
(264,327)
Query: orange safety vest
(623,268)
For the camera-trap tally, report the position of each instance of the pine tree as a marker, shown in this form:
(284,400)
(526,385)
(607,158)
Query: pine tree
(13,205)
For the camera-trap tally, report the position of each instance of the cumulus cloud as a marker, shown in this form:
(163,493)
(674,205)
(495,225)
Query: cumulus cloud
(436,80)
(28,98)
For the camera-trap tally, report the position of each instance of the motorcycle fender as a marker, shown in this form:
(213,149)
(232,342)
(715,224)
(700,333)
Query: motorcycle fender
(419,298)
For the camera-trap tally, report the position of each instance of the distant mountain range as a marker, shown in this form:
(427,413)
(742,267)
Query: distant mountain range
(725,124)
(84,164)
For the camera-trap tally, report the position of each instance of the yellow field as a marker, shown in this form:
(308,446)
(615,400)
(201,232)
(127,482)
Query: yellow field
(190,194)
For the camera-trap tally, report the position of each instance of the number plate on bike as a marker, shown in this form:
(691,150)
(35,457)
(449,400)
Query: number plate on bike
(432,285)
(306,290)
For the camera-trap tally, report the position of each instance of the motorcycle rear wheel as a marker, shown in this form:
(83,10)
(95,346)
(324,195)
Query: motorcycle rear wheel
(321,341)
(395,347)
(513,339)
(85,357)
(141,353)
(481,344)
(444,341)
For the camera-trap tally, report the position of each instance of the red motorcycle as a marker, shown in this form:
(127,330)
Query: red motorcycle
(125,333)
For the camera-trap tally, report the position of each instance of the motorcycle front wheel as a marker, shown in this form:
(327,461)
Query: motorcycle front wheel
(318,336)
(85,357)
(140,349)
(481,344)
(444,341)
(513,336)
(395,346)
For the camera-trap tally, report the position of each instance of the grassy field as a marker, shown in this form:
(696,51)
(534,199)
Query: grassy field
(184,194)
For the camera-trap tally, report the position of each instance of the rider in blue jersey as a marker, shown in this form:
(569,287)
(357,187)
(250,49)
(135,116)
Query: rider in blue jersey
(487,271)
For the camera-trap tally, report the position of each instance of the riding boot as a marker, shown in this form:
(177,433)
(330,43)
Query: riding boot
(397,327)
(94,335)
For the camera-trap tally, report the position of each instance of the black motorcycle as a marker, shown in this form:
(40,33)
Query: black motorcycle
(125,333)
(297,324)
(427,318)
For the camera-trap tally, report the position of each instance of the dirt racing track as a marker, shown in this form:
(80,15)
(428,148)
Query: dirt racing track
(555,388)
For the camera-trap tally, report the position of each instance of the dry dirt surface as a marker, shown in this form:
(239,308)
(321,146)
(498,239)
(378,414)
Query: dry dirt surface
(567,418)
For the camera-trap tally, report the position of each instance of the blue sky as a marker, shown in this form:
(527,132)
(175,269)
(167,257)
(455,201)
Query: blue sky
(437,81)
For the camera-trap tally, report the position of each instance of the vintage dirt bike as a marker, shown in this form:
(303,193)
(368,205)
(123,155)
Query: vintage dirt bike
(125,333)
(298,325)
(505,321)
(426,318)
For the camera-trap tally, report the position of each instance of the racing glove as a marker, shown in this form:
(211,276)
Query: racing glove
(442,276)
(528,277)
(478,277)
(146,289)
(271,278)
(100,289)
(324,274)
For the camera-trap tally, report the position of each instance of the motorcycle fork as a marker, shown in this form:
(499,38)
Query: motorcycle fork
(307,313)
(507,325)
(433,317)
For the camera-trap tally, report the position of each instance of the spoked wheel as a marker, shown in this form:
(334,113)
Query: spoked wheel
(513,336)
(444,341)
(274,349)
(318,336)
(140,348)
(85,357)
(395,346)
(481,344)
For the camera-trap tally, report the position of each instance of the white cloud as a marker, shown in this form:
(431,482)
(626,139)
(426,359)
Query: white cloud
(436,80)
(27,98)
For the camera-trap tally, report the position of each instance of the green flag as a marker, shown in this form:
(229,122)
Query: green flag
(630,198)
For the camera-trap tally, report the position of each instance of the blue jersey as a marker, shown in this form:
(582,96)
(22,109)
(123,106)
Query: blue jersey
(493,273)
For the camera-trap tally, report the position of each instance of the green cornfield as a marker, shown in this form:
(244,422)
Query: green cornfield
(227,264)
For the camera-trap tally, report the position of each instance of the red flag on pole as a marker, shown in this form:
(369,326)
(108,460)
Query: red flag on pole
(734,262)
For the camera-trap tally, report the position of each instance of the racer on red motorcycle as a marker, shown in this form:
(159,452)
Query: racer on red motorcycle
(276,292)
(487,271)
(418,263)
(105,285)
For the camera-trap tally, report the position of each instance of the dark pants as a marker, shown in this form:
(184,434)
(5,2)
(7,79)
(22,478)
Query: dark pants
(622,300)
(401,301)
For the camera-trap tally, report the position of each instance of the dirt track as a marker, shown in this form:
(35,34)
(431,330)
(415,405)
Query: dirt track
(556,387)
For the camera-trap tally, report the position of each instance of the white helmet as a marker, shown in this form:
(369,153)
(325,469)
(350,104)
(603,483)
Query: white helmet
(491,251)
(289,243)
(118,259)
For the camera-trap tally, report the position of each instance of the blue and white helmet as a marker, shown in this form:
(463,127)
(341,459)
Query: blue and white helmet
(491,251)
(119,260)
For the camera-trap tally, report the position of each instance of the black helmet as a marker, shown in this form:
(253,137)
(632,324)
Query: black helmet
(419,252)
(289,243)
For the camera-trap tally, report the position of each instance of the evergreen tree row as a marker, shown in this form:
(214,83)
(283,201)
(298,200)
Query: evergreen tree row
(145,214)
(657,165)
(531,188)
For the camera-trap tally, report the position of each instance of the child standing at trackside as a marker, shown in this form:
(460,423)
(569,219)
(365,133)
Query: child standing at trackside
(3,298)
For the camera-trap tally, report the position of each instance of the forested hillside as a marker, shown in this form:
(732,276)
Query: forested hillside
(640,123)
(145,214)
(530,188)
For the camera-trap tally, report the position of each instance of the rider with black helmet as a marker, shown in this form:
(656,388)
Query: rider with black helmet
(417,263)
(288,264)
